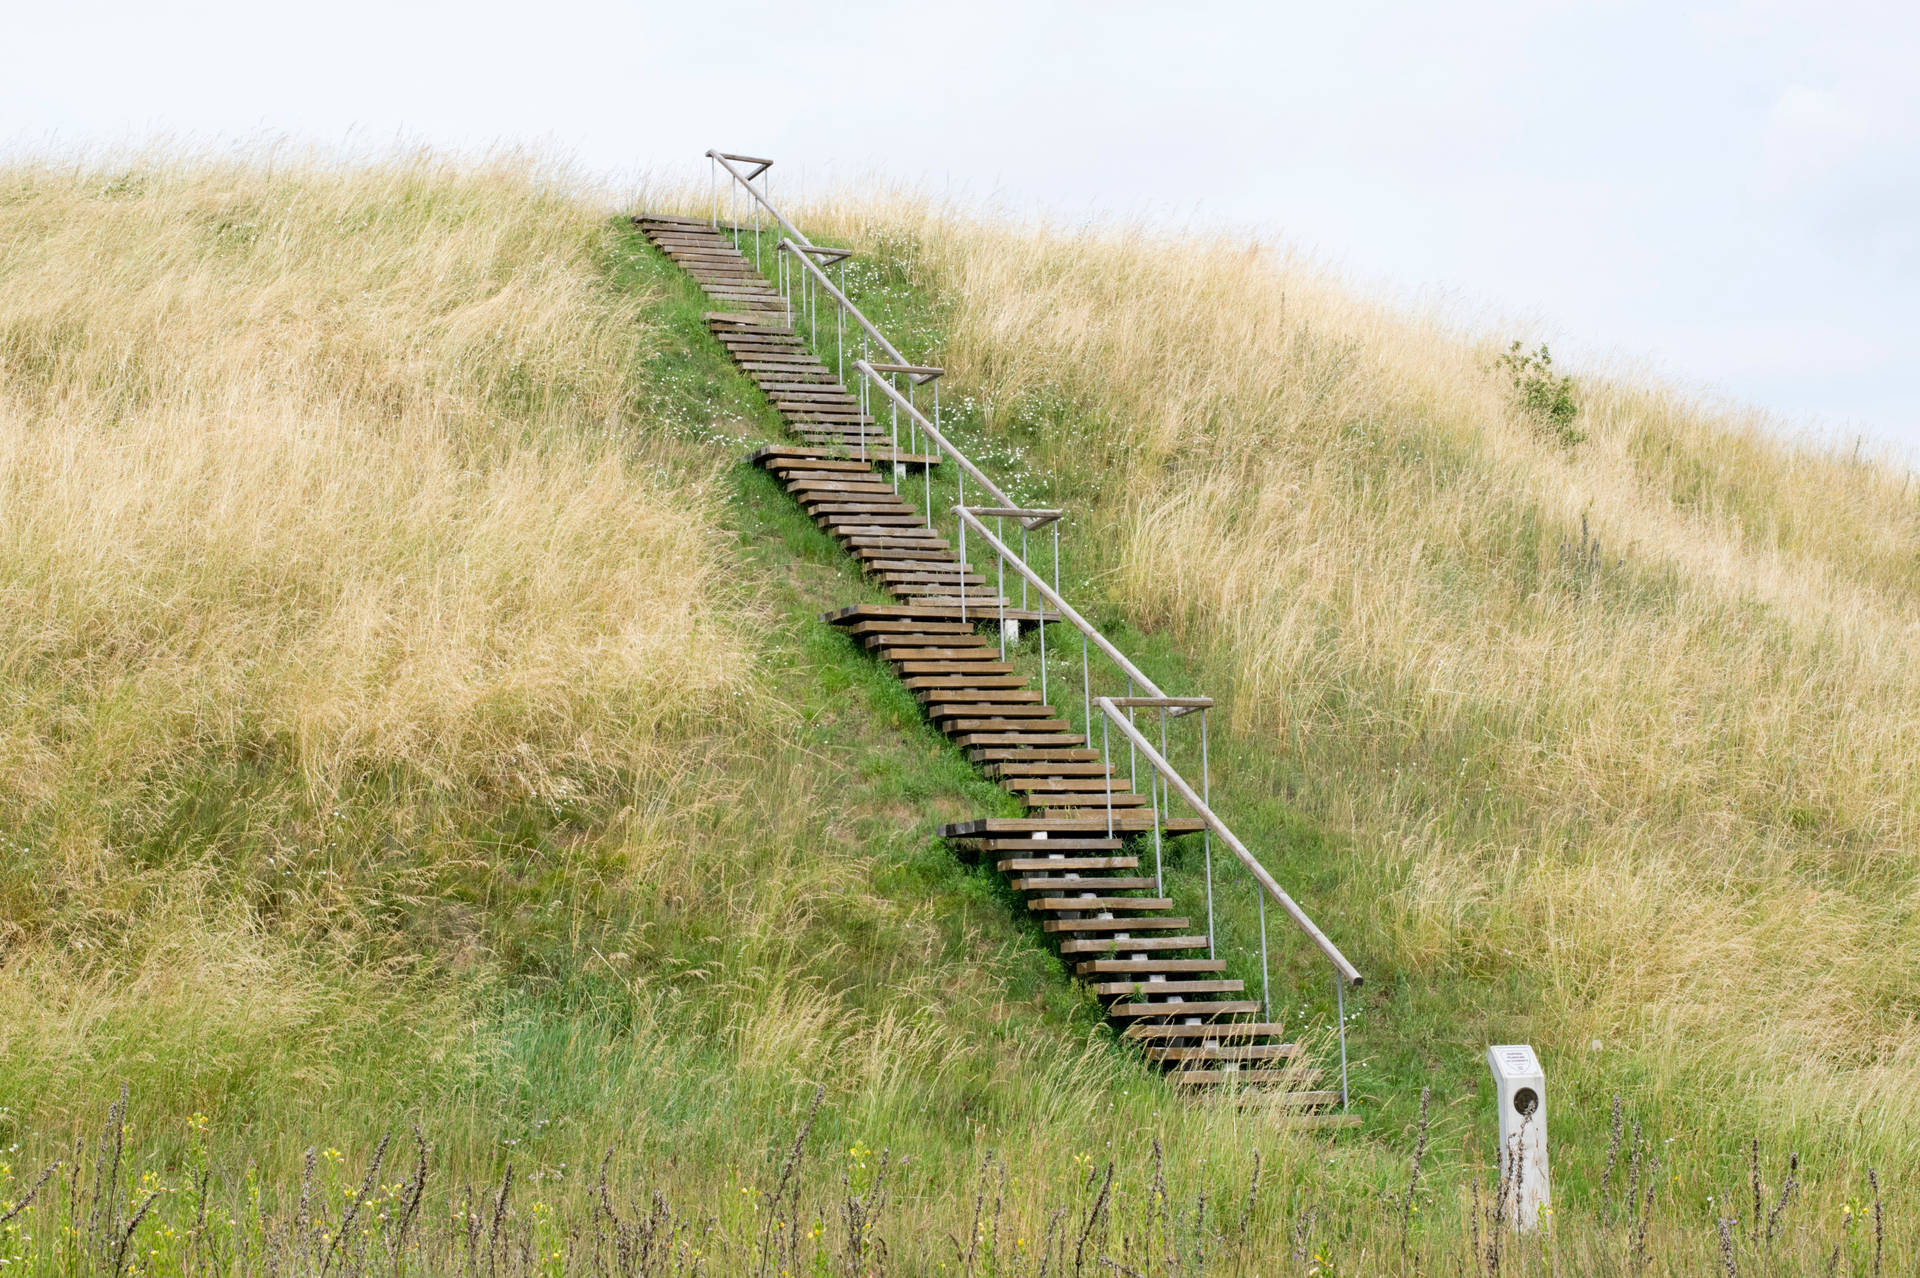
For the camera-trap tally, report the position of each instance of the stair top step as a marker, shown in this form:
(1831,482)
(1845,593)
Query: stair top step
(1195,1007)
(1149,989)
(672,219)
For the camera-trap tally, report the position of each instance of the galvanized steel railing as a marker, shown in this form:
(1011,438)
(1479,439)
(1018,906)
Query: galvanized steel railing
(801,273)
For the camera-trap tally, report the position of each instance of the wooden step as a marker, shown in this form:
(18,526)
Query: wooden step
(1019,864)
(1130,924)
(951,629)
(1093,902)
(1000,701)
(1077,785)
(1198,1007)
(1077,755)
(959,637)
(1150,989)
(1218,1029)
(1018,844)
(1134,945)
(1015,738)
(959,713)
(1055,882)
(745,320)
(1043,801)
(1004,723)
(1100,967)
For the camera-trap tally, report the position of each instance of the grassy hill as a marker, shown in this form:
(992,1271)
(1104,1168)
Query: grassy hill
(413,716)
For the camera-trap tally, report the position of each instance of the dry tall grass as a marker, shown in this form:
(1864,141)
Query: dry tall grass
(1636,720)
(321,472)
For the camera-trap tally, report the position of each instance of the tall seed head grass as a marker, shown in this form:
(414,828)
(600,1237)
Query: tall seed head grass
(1633,717)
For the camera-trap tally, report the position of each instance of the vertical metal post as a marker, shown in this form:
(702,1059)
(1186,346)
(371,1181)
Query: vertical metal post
(1206,831)
(1042,624)
(1026,561)
(1000,580)
(1340,1010)
(963,563)
(1159,877)
(1160,791)
(893,469)
(1266,999)
(713,193)
(1086,696)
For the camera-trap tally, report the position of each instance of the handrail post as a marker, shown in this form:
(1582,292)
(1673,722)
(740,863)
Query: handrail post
(1206,832)
(1000,591)
(1340,1014)
(1159,873)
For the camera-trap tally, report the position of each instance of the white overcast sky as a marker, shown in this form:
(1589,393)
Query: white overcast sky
(1727,195)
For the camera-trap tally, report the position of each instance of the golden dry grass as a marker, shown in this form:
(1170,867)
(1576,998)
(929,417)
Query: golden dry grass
(322,472)
(1634,722)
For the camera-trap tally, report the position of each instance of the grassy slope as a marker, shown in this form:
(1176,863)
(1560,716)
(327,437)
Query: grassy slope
(1592,746)
(659,937)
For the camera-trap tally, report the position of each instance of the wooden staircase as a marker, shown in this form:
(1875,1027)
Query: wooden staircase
(1070,856)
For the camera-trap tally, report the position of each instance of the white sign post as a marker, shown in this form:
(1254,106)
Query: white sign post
(1521,1087)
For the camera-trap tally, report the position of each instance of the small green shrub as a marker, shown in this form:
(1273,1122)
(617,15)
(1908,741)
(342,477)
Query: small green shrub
(1545,396)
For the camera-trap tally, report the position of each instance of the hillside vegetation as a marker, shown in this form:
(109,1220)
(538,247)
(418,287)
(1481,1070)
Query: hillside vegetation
(1628,724)
(412,713)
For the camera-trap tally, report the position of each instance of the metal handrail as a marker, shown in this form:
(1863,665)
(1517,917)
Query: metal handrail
(798,253)
(726,162)
(933,432)
(1115,710)
(1111,709)
(970,519)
